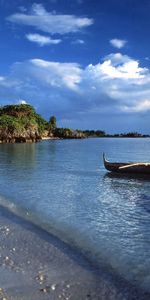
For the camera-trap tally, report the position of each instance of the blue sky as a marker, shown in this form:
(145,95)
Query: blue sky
(85,61)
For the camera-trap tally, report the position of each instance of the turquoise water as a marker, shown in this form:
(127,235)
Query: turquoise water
(63,187)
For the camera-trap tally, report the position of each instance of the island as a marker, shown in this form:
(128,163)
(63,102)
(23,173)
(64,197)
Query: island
(21,123)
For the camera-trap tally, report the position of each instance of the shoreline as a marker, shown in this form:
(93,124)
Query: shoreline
(37,265)
(62,138)
(49,138)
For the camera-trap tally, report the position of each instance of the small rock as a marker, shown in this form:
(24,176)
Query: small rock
(44,290)
(6,258)
(53,287)
(41,277)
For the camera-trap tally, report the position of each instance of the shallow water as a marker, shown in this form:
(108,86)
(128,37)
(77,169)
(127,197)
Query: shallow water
(63,186)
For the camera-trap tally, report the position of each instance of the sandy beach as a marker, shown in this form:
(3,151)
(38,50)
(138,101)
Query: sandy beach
(36,265)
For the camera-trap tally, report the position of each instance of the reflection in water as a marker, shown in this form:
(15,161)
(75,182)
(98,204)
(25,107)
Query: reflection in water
(128,176)
(141,198)
(145,204)
(18,155)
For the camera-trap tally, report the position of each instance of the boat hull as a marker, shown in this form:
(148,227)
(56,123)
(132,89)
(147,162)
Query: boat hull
(132,168)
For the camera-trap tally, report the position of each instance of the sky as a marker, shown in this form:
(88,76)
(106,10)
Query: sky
(85,61)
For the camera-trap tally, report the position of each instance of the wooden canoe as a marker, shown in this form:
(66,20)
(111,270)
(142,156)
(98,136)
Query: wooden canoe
(134,168)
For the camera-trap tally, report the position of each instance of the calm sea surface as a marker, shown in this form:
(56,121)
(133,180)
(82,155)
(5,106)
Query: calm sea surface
(63,187)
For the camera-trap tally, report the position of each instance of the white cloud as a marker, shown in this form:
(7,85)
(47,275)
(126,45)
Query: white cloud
(117,43)
(58,74)
(21,101)
(42,40)
(117,66)
(142,106)
(8,81)
(122,84)
(2,78)
(129,70)
(117,84)
(50,22)
(117,58)
(78,41)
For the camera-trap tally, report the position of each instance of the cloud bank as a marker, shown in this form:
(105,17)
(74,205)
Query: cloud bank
(117,85)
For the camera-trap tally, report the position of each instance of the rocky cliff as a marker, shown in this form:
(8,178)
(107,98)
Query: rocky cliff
(20,123)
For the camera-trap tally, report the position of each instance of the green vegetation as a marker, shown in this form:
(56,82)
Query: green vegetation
(42,123)
(10,123)
(67,133)
(20,123)
(129,135)
(21,116)
(132,134)
(52,124)
(95,133)
(17,110)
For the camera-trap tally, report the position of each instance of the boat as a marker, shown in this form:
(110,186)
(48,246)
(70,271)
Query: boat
(127,167)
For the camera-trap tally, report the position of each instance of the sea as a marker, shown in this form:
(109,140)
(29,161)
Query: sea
(63,187)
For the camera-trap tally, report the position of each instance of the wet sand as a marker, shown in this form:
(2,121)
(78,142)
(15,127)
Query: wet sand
(35,265)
